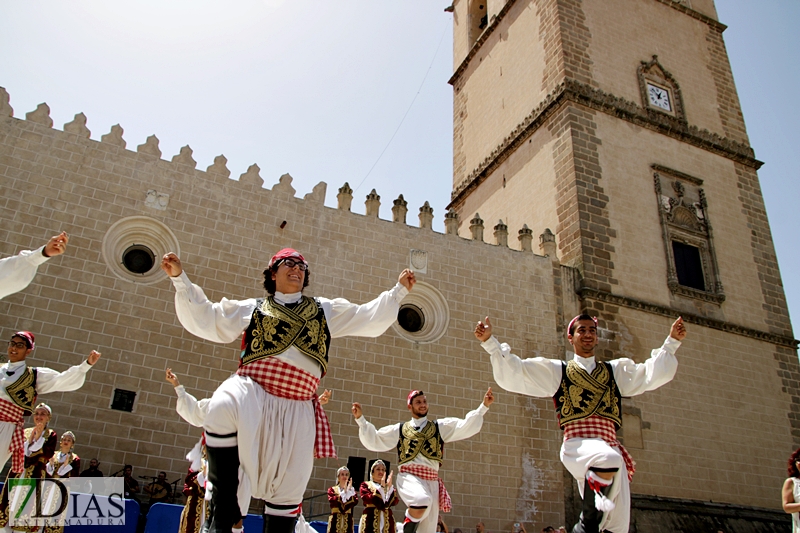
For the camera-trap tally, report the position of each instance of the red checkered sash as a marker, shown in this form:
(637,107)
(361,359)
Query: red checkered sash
(596,427)
(13,414)
(429,474)
(286,381)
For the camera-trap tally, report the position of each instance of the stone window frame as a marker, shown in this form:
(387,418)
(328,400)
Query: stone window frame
(477,22)
(687,223)
(652,71)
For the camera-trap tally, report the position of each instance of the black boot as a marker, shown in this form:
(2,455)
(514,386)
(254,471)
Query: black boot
(279,524)
(223,473)
(590,515)
(409,526)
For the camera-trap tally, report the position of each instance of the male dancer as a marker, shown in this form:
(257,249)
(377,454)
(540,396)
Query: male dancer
(588,399)
(19,387)
(420,449)
(267,414)
(17,271)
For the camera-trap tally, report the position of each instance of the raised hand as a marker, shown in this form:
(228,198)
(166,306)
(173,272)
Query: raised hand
(172,378)
(407,279)
(488,398)
(325,397)
(483,331)
(356,410)
(56,245)
(93,357)
(678,330)
(171,264)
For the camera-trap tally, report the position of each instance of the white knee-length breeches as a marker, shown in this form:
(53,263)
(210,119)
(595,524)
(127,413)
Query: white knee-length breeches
(416,492)
(579,455)
(275,438)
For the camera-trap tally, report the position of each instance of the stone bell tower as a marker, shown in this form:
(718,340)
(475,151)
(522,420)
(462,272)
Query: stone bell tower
(616,124)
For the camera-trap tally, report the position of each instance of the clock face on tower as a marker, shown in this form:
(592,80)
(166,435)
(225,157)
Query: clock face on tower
(659,97)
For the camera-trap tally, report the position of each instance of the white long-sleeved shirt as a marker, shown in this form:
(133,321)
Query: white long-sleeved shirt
(47,379)
(17,271)
(540,376)
(451,429)
(190,409)
(226,320)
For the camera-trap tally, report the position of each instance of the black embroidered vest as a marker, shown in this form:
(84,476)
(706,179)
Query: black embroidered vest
(427,442)
(274,327)
(23,391)
(582,395)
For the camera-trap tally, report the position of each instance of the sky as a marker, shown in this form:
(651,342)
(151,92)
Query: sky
(338,92)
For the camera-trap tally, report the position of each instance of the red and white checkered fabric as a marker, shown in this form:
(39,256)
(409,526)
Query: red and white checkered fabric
(13,414)
(596,427)
(429,474)
(286,381)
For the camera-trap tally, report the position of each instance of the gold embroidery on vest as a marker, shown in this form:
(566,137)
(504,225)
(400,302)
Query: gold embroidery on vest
(426,441)
(588,394)
(277,327)
(23,391)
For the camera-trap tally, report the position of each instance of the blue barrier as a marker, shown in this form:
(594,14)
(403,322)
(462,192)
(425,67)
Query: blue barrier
(166,518)
(319,526)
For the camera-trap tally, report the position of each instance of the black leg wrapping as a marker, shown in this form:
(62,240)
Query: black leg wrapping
(410,527)
(590,515)
(223,473)
(279,524)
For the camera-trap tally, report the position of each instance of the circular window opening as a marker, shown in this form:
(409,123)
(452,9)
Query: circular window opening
(138,259)
(411,318)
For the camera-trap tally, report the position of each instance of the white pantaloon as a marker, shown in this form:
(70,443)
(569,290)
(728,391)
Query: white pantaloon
(275,438)
(6,432)
(416,492)
(579,455)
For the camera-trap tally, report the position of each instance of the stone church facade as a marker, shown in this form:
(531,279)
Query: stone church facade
(627,150)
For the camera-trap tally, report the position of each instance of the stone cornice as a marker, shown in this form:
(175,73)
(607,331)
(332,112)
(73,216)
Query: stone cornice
(579,93)
(482,39)
(676,173)
(633,303)
(714,24)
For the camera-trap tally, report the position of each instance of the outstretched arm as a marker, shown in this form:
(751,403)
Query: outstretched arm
(537,376)
(453,429)
(48,380)
(217,322)
(659,369)
(17,272)
(371,319)
(375,440)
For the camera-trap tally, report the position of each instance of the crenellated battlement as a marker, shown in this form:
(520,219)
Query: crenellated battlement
(218,170)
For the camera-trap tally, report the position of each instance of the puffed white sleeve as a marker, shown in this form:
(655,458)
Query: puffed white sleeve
(17,271)
(371,319)
(217,322)
(453,429)
(633,379)
(49,380)
(537,376)
(377,440)
(190,409)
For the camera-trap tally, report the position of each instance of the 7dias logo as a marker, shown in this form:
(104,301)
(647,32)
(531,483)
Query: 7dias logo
(66,502)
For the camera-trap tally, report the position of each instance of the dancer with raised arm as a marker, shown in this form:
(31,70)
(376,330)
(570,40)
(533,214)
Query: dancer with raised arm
(588,400)
(17,271)
(267,416)
(420,450)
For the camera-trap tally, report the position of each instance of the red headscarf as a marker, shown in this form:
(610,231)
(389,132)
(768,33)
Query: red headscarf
(413,394)
(28,336)
(286,253)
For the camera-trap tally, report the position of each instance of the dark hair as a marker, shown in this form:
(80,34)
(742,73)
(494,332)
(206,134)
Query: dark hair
(582,316)
(162,472)
(127,467)
(269,283)
(792,466)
